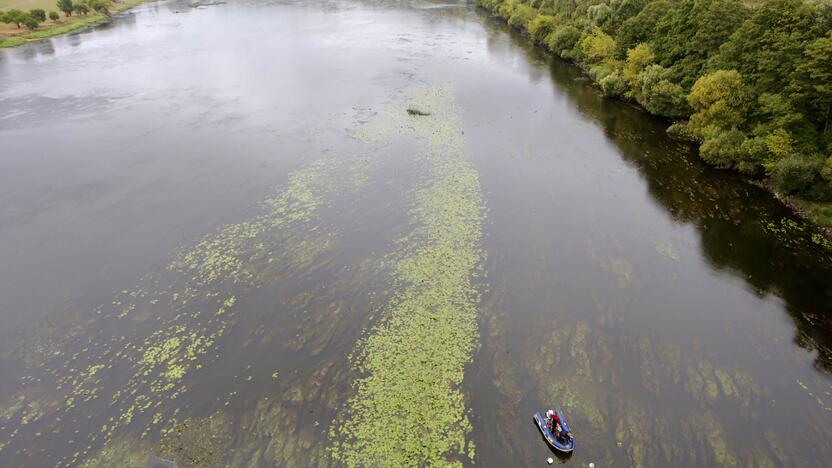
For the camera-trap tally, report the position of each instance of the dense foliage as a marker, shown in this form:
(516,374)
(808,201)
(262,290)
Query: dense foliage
(755,83)
(30,19)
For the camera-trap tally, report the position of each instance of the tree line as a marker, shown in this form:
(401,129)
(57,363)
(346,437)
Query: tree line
(33,18)
(752,85)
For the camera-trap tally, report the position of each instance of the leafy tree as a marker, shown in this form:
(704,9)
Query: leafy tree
(776,124)
(638,58)
(795,174)
(564,40)
(767,48)
(718,100)
(774,111)
(30,21)
(541,26)
(692,32)
(80,9)
(65,6)
(622,10)
(521,16)
(600,15)
(658,95)
(54,16)
(826,172)
(811,82)
(766,150)
(101,6)
(640,28)
(15,16)
(614,84)
(721,147)
(564,7)
(39,14)
(600,71)
(598,46)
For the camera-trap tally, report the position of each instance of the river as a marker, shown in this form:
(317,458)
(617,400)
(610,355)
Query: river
(229,237)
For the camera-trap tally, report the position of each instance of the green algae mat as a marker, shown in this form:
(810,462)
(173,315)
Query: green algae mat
(408,408)
(406,369)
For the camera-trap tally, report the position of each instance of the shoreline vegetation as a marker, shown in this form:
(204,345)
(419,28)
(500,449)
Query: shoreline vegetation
(84,17)
(750,83)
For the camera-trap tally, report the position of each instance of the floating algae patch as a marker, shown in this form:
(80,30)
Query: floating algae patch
(623,271)
(666,249)
(145,369)
(412,363)
(127,452)
(227,254)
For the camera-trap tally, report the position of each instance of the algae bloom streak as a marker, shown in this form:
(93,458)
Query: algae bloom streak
(408,408)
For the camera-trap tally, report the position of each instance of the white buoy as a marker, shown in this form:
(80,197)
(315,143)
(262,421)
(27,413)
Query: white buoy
(550,460)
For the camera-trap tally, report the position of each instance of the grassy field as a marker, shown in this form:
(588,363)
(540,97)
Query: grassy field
(11,36)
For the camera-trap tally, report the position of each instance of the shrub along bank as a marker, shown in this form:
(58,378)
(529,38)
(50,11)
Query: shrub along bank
(752,85)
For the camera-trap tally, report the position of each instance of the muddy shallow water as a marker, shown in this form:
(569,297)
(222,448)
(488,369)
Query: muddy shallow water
(224,240)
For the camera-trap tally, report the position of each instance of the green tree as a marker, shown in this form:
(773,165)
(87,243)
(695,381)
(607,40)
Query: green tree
(65,6)
(622,10)
(774,111)
(541,26)
(563,41)
(777,132)
(638,58)
(826,172)
(566,8)
(659,95)
(722,147)
(101,6)
(767,48)
(719,102)
(692,32)
(598,46)
(30,21)
(80,9)
(811,82)
(54,16)
(521,15)
(39,14)
(614,84)
(600,15)
(640,28)
(15,16)
(795,174)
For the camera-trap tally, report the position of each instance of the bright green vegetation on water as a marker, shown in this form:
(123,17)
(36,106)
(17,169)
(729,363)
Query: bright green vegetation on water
(408,409)
(228,254)
(143,352)
(756,83)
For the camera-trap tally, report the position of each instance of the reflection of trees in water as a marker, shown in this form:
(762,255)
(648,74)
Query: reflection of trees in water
(732,217)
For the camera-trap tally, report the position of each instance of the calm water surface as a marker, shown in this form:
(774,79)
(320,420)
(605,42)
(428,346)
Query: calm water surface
(198,208)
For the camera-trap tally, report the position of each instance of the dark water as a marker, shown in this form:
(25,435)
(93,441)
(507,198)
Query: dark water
(193,239)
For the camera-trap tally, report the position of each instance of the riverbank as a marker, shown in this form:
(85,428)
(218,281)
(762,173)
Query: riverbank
(66,25)
(639,54)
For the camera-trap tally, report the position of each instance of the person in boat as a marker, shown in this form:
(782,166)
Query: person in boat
(553,422)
